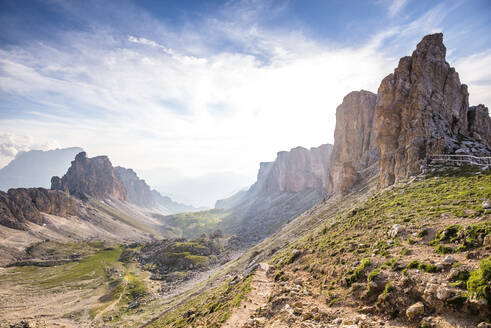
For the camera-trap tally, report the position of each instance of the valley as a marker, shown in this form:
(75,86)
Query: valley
(371,231)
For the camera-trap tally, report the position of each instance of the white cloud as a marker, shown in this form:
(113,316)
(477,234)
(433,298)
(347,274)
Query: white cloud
(11,145)
(472,71)
(396,6)
(176,102)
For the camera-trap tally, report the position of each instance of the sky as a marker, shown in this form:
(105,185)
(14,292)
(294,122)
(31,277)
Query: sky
(194,94)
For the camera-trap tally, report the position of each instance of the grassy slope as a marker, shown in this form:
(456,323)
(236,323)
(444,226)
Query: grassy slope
(355,247)
(337,236)
(193,224)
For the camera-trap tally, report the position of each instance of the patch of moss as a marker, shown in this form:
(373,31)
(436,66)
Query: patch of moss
(357,274)
(479,282)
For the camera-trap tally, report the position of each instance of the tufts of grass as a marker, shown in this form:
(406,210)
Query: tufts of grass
(357,274)
(441,249)
(479,282)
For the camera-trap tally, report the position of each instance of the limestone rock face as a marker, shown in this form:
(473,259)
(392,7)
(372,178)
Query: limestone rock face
(355,148)
(480,124)
(139,193)
(26,204)
(296,170)
(93,177)
(293,183)
(421,111)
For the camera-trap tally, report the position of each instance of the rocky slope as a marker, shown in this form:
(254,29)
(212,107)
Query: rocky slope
(94,177)
(35,168)
(422,110)
(140,194)
(355,153)
(21,205)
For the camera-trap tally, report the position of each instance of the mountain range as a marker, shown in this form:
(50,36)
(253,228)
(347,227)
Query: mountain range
(391,223)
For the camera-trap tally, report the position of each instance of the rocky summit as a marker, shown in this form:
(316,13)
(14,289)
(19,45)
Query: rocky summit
(94,177)
(422,110)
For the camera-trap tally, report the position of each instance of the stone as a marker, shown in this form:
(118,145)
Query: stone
(295,254)
(443,293)
(414,311)
(355,148)
(486,204)
(449,260)
(396,230)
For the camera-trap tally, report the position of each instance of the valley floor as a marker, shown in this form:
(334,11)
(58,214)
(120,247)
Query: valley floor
(416,254)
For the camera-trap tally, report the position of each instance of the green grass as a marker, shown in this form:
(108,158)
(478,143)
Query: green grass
(72,274)
(358,273)
(193,224)
(479,283)
(208,309)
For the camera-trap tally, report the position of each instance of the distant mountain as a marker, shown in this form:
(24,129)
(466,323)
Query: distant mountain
(140,193)
(290,185)
(35,168)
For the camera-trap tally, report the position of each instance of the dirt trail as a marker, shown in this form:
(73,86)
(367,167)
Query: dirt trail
(109,307)
(262,287)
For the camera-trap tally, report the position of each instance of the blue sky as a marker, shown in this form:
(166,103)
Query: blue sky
(182,90)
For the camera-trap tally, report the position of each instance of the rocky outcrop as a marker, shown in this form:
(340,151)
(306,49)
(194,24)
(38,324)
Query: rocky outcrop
(18,206)
(480,124)
(355,152)
(139,193)
(94,177)
(422,110)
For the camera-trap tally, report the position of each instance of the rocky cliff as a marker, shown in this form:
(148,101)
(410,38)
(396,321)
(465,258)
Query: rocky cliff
(422,110)
(290,185)
(355,152)
(94,177)
(139,193)
(297,170)
(18,206)
(480,124)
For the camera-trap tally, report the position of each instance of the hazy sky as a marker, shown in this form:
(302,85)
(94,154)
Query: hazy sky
(205,90)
